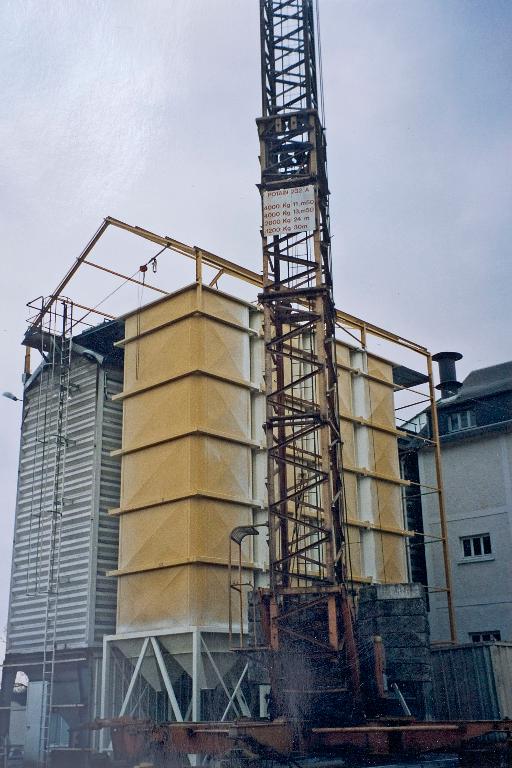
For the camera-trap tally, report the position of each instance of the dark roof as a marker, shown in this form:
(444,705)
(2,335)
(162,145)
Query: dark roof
(102,337)
(407,377)
(100,340)
(484,382)
(478,386)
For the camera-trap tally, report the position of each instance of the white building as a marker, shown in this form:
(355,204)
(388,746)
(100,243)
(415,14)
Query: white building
(475,425)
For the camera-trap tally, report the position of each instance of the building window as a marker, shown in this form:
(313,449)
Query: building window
(461,420)
(474,547)
(485,637)
(417,424)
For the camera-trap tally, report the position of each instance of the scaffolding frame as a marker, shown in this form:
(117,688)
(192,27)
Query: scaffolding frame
(362,334)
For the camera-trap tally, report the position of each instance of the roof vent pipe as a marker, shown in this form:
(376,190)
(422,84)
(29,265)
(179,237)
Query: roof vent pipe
(448,384)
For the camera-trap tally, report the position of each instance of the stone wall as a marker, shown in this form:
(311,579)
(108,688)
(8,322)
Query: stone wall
(397,613)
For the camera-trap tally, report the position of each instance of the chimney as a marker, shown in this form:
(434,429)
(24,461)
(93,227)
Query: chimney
(448,384)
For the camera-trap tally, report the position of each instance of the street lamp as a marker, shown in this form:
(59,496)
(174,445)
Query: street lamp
(10,396)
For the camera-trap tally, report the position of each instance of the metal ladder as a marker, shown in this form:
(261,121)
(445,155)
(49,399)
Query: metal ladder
(63,360)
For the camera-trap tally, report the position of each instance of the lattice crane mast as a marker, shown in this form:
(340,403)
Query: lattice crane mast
(309,611)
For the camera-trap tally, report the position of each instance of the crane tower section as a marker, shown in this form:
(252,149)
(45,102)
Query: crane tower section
(310,615)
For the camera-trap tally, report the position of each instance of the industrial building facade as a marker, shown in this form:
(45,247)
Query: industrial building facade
(62,601)
(165,457)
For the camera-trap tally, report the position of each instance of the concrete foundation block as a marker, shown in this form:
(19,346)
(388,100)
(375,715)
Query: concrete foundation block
(399,670)
(389,625)
(412,653)
(377,608)
(391,592)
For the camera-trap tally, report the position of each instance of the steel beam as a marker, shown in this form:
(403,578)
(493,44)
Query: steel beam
(134,677)
(167,680)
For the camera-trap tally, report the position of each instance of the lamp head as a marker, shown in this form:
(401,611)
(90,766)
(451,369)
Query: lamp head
(10,396)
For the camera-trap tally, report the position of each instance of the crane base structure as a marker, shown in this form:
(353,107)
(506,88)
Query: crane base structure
(264,743)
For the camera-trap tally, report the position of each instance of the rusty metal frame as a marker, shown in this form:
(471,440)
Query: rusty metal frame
(278,740)
(307,512)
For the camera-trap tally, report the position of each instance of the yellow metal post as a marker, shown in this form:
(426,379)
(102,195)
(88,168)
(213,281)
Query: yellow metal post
(440,496)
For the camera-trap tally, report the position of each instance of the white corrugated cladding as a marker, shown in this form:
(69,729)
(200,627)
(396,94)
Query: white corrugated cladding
(108,527)
(93,429)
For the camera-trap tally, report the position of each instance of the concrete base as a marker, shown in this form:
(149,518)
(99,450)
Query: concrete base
(397,613)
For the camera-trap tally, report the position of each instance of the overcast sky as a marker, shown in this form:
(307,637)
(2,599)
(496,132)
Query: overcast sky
(144,110)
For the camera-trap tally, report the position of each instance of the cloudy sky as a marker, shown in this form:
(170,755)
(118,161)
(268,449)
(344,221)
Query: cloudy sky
(144,110)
